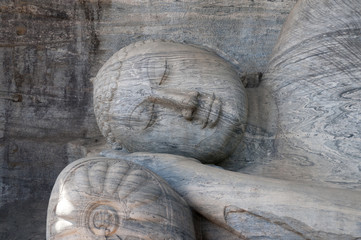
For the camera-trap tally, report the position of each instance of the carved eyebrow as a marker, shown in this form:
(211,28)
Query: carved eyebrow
(165,73)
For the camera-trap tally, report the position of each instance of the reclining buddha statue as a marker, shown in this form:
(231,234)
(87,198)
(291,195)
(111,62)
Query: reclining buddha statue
(179,109)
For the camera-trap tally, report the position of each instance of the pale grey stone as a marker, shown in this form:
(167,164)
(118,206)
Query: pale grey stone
(257,207)
(300,126)
(294,133)
(167,97)
(99,198)
(311,94)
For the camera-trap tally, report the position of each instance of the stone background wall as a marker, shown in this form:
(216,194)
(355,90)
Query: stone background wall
(50,49)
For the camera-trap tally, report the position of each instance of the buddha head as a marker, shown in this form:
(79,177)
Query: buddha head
(166,97)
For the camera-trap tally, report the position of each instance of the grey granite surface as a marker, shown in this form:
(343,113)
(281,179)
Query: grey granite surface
(50,49)
(311,93)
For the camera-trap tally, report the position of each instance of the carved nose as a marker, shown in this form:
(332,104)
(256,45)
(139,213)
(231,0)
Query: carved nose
(184,102)
(203,108)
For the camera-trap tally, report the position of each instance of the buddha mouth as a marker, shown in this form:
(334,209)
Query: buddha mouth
(208,111)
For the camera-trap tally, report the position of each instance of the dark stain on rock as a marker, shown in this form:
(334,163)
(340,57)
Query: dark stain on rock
(92,13)
(20,30)
(95,42)
(62,15)
(17,97)
(36,11)
(252,80)
(19,79)
(52,13)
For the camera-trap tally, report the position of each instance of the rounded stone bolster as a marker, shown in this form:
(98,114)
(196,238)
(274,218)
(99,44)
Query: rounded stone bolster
(103,198)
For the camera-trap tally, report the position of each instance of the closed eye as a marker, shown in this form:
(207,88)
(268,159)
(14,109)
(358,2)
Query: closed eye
(143,116)
(165,73)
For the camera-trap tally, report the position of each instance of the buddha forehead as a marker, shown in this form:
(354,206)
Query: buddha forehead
(151,89)
(178,69)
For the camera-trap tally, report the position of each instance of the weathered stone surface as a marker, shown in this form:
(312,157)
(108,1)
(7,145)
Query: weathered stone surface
(44,97)
(256,207)
(97,198)
(26,180)
(308,89)
(50,49)
(166,97)
(311,94)
(245,30)
(209,230)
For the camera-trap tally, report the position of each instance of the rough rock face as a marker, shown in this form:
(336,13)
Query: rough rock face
(44,97)
(50,49)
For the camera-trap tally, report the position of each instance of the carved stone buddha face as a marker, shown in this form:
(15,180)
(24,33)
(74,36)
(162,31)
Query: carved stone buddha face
(173,98)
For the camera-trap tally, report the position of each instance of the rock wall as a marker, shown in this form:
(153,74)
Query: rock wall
(50,49)
(45,96)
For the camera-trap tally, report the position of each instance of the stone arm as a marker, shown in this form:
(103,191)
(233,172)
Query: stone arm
(251,206)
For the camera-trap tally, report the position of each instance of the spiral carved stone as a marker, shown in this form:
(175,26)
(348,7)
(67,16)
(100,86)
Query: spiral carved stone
(104,198)
(167,97)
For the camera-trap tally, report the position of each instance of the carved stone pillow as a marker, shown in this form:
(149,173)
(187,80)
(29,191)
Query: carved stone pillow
(101,198)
